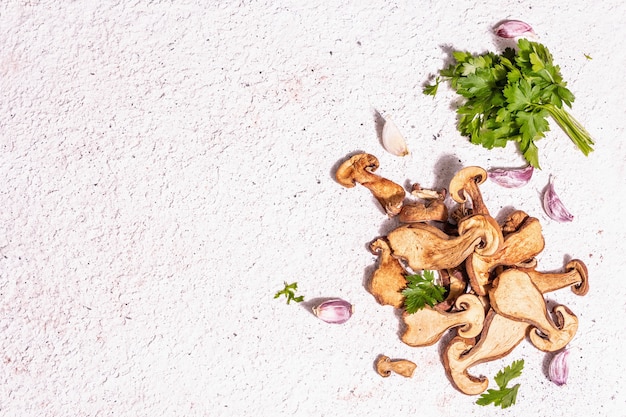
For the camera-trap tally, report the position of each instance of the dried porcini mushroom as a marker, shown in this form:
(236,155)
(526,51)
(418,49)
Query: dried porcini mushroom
(385,366)
(464,186)
(360,169)
(388,280)
(494,294)
(426,326)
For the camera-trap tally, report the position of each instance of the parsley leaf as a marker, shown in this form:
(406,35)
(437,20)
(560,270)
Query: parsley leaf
(422,290)
(504,396)
(505,376)
(509,96)
(290,293)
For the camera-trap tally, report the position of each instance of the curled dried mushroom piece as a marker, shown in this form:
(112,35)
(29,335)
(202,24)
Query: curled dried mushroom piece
(385,366)
(494,293)
(360,169)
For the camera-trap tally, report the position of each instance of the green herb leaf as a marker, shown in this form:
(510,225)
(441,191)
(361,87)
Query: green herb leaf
(290,293)
(508,97)
(514,370)
(504,396)
(431,90)
(421,290)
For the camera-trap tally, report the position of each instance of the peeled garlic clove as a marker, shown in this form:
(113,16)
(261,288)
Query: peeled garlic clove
(334,311)
(511,178)
(511,29)
(553,205)
(392,139)
(559,368)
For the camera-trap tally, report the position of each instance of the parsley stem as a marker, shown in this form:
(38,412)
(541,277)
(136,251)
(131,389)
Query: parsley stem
(571,127)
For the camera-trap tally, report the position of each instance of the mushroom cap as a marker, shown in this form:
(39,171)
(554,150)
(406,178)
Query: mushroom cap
(461,180)
(354,168)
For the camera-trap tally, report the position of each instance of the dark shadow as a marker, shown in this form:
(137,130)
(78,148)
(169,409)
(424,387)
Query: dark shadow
(446,167)
(379,123)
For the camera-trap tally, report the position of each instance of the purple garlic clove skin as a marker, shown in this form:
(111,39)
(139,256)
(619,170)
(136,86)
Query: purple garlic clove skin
(513,29)
(559,368)
(554,207)
(511,178)
(335,311)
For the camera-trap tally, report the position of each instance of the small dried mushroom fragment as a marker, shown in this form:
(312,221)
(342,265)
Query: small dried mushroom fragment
(385,366)
(433,209)
(360,169)
(426,326)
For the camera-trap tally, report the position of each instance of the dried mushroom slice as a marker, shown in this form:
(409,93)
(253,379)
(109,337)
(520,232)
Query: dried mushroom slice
(515,296)
(499,337)
(385,366)
(518,248)
(426,326)
(424,246)
(417,212)
(464,187)
(360,169)
(388,280)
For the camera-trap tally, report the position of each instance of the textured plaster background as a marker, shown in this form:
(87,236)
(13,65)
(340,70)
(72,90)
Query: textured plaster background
(166,166)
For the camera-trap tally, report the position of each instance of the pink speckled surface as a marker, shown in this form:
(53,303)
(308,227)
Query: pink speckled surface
(166,166)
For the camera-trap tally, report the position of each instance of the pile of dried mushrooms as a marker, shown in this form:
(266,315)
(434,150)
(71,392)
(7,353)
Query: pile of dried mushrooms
(494,294)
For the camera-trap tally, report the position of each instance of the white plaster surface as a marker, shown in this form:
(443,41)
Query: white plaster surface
(167,165)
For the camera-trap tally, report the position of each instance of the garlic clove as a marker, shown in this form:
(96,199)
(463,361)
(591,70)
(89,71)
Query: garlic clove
(392,139)
(513,29)
(336,311)
(553,205)
(511,178)
(559,368)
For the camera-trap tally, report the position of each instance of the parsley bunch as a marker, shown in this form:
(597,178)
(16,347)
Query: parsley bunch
(509,97)
(504,396)
(421,290)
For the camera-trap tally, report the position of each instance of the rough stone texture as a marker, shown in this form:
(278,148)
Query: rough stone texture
(168,165)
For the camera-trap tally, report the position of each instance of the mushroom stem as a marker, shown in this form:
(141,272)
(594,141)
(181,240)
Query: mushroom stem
(385,366)
(575,276)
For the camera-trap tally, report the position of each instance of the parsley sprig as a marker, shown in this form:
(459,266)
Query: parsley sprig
(420,290)
(290,293)
(509,96)
(504,396)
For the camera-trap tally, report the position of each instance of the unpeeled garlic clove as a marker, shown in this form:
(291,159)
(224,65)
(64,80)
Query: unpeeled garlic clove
(559,368)
(336,311)
(392,139)
(511,178)
(553,205)
(512,29)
